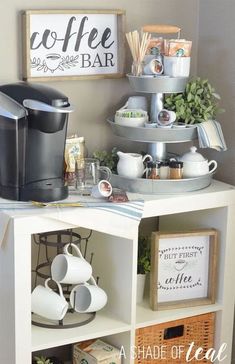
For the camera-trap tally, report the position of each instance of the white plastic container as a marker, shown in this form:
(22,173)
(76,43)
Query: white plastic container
(177,66)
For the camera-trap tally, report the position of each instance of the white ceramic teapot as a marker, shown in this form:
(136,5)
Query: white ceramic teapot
(196,165)
(131,164)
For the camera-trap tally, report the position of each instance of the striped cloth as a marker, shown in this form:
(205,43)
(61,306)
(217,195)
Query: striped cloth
(124,217)
(210,135)
(131,209)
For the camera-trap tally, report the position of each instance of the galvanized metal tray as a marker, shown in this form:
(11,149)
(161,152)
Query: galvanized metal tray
(161,186)
(152,135)
(157,84)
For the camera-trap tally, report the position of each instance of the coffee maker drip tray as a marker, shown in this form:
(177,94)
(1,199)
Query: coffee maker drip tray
(43,191)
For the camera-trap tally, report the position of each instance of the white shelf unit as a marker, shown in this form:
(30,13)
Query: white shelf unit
(115,262)
(146,317)
(103,325)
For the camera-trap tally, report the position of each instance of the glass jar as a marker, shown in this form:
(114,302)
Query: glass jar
(137,68)
(164,170)
(152,170)
(176,170)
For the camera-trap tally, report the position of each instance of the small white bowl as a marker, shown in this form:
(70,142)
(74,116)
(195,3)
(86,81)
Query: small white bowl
(123,120)
(134,122)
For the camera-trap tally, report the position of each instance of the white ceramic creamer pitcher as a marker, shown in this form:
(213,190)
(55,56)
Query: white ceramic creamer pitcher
(131,164)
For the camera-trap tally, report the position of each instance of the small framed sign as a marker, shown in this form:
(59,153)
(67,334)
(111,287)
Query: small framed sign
(183,269)
(73,44)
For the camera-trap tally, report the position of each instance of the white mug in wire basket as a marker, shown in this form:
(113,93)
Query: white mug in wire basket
(70,269)
(88,297)
(47,303)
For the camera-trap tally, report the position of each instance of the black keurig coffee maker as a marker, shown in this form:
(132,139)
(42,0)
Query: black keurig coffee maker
(33,126)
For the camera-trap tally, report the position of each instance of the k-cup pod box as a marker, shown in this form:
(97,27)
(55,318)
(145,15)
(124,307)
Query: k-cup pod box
(95,352)
(74,153)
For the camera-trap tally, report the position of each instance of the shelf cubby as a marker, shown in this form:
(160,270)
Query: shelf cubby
(146,317)
(115,262)
(103,325)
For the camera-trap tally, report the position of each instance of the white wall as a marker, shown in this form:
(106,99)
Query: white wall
(94,100)
(216,61)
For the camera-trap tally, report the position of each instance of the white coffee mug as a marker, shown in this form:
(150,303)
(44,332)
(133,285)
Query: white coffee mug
(67,268)
(177,66)
(102,189)
(47,303)
(88,297)
(136,102)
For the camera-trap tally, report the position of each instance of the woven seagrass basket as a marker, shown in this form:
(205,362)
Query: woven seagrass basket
(161,343)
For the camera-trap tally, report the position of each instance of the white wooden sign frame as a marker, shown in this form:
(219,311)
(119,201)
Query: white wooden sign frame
(73,44)
(183,269)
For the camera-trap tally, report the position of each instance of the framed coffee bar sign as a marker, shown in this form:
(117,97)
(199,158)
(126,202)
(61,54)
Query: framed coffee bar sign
(73,44)
(183,269)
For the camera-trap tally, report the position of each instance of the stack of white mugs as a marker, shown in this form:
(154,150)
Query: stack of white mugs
(85,296)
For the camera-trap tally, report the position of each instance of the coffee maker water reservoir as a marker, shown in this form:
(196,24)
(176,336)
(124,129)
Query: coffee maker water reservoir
(33,126)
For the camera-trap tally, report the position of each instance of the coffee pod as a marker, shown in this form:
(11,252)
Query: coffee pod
(165,118)
(102,189)
(153,67)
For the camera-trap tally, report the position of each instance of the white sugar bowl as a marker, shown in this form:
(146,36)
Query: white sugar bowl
(196,165)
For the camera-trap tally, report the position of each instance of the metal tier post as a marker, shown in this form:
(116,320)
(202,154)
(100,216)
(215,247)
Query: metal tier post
(158,149)
(157,102)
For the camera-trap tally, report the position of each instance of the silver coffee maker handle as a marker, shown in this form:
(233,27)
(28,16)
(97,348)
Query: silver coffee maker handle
(41,106)
(9,108)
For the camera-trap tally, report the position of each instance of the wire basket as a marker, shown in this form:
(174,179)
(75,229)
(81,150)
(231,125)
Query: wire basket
(50,244)
(56,240)
(169,342)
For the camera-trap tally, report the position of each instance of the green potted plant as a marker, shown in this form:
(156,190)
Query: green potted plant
(107,159)
(196,104)
(143,265)
(42,360)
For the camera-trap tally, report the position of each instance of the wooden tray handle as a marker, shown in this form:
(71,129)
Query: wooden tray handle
(161,28)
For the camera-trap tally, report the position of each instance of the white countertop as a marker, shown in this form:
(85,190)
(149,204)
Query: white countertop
(218,194)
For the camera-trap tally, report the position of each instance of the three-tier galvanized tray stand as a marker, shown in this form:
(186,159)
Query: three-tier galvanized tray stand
(157,138)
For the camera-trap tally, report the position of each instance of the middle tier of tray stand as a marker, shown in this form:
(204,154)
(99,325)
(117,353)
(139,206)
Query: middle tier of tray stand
(157,86)
(153,135)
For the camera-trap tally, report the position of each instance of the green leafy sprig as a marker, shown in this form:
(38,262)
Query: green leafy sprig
(144,255)
(42,360)
(108,159)
(196,104)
